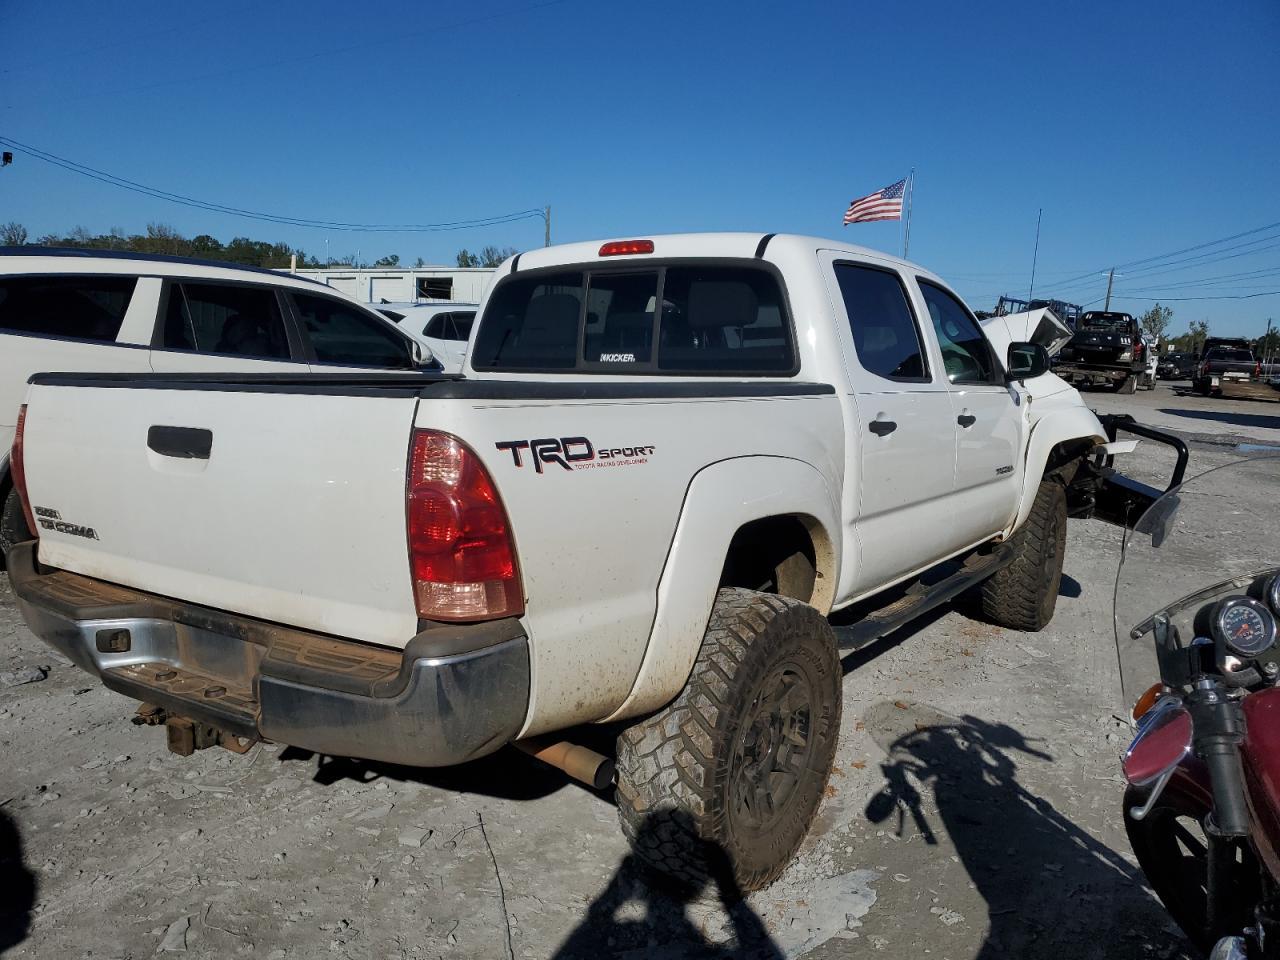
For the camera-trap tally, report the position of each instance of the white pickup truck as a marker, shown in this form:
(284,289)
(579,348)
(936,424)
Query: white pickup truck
(665,462)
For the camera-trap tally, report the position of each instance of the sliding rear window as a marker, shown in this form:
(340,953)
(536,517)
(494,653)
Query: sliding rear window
(679,318)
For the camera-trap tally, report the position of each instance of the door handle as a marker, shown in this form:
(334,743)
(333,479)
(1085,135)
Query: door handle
(882,428)
(185,443)
(966,420)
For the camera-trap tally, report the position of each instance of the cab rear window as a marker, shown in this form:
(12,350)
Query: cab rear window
(678,318)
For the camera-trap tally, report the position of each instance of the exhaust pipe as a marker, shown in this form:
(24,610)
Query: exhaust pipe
(582,763)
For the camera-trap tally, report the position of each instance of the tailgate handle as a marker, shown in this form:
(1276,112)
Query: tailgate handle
(187,443)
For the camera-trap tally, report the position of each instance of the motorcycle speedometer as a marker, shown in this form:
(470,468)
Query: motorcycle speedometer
(1244,625)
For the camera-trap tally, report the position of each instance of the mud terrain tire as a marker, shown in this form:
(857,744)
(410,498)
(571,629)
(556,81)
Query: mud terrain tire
(1023,595)
(723,783)
(13,525)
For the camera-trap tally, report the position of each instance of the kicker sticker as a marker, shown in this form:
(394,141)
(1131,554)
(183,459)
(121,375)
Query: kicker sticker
(573,453)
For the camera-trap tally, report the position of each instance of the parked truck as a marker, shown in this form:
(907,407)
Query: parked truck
(666,461)
(1228,366)
(1107,349)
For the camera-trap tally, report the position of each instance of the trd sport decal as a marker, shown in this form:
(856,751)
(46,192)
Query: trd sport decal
(574,453)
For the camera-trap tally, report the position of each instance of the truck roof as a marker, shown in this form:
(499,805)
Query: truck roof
(769,246)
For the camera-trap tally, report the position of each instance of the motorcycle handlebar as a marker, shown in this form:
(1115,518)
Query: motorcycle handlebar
(1217,742)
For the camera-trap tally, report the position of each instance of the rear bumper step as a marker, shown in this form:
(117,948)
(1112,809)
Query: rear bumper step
(453,694)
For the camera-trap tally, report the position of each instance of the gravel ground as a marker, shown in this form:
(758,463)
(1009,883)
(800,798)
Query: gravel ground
(974,812)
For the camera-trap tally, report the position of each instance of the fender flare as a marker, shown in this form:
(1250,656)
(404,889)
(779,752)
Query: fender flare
(721,498)
(1074,423)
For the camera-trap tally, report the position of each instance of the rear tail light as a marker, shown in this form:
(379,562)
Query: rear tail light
(1257,370)
(462,557)
(1137,349)
(618,248)
(18,468)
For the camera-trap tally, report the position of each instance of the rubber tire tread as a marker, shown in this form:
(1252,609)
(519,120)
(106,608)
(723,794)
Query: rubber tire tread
(1018,595)
(13,525)
(672,767)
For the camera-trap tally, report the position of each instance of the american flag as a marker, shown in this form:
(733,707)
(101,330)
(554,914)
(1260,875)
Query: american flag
(884,204)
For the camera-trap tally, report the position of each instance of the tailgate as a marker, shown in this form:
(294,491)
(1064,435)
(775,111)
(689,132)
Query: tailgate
(283,503)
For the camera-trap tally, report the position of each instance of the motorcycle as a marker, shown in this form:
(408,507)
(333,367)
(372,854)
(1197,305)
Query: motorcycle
(1196,637)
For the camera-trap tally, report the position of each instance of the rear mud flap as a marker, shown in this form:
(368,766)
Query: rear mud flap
(1099,490)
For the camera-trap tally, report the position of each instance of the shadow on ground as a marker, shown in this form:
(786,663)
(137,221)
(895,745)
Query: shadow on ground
(1041,876)
(1241,419)
(17,886)
(490,776)
(638,915)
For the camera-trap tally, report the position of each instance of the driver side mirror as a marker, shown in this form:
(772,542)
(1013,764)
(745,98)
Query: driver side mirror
(423,358)
(1026,361)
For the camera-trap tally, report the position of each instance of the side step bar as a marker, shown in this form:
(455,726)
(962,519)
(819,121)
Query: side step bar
(922,596)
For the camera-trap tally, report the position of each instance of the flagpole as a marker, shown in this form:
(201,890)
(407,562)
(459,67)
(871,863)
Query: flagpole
(911,183)
(1035,255)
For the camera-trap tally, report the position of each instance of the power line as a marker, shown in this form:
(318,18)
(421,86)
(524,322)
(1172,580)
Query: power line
(1165,256)
(1240,296)
(158,194)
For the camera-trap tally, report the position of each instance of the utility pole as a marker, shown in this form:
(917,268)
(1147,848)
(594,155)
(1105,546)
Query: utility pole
(1110,277)
(1035,255)
(546,216)
(1266,350)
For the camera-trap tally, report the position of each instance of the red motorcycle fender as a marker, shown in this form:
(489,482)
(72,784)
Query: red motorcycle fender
(1261,754)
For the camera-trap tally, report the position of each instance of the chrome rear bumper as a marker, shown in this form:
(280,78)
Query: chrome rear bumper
(456,692)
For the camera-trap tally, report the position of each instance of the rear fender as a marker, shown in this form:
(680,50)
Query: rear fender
(722,498)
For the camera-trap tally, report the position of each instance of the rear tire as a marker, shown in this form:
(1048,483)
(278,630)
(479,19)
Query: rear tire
(13,525)
(1024,594)
(723,783)
(1128,386)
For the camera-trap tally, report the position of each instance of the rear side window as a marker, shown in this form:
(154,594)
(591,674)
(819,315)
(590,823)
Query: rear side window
(82,308)
(231,319)
(345,334)
(449,326)
(680,318)
(885,334)
(966,354)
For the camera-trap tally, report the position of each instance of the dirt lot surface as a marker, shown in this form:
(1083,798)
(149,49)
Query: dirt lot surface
(974,812)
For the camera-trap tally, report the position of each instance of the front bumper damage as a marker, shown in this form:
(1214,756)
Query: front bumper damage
(1099,490)
(456,692)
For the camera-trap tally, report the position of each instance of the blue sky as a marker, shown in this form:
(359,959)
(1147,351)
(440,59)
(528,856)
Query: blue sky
(1139,128)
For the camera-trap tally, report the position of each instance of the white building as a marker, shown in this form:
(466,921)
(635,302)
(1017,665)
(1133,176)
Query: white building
(405,284)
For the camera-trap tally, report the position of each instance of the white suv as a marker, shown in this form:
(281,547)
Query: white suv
(76,310)
(443,326)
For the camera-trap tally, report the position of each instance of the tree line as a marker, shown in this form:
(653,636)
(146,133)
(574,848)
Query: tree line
(245,251)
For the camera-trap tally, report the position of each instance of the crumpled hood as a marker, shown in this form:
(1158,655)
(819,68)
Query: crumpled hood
(1040,326)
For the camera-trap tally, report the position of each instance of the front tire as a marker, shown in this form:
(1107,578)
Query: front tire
(1128,386)
(1172,848)
(724,782)
(1024,594)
